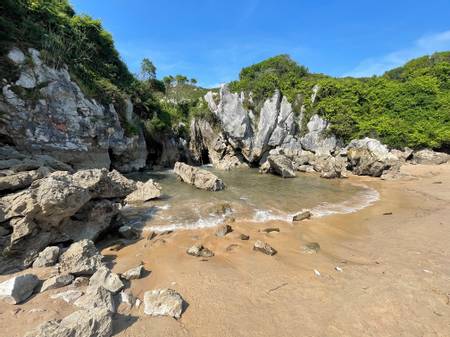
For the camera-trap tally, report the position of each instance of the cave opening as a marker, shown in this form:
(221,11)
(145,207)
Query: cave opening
(204,159)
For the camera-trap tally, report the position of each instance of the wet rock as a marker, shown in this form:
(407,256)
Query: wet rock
(200,178)
(264,247)
(133,273)
(56,282)
(281,165)
(103,277)
(97,297)
(82,323)
(69,296)
(148,191)
(163,302)
(311,248)
(18,289)
(82,258)
(80,281)
(199,251)
(48,257)
(128,232)
(302,215)
(244,237)
(223,230)
(429,157)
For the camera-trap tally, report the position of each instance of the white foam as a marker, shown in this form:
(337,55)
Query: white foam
(209,222)
(163,207)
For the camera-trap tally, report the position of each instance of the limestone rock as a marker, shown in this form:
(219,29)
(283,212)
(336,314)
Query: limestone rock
(149,190)
(200,178)
(18,289)
(133,273)
(163,302)
(82,323)
(280,165)
(430,157)
(69,296)
(315,139)
(97,297)
(57,281)
(82,258)
(244,237)
(302,215)
(223,230)
(199,251)
(311,248)
(264,247)
(80,281)
(103,277)
(48,257)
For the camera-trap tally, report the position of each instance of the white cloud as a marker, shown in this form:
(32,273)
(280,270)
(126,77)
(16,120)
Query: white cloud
(427,44)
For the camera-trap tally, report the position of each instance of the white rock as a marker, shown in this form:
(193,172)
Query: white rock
(163,302)
(103,277)
(96,298)
(57,281)
(18,289)
(16,55)
(48,257)
(68,296)
(134,273)
(149,190)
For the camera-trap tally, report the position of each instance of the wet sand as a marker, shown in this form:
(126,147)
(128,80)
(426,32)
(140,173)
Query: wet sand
(395,278)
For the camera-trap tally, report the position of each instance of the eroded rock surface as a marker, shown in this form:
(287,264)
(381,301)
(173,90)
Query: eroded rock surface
(200,178)
(163,302)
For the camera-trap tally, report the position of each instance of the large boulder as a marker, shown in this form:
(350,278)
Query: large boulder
(82,258)
(82,323)
(163,302)
(97,297)
(64,122)
(200,178)
(369,157)
(280,165)
(48,257)
(144,192)
(18,289)
(105,278)
(429,157)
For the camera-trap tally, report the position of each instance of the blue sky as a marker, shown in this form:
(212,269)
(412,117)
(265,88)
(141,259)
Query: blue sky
(212,40)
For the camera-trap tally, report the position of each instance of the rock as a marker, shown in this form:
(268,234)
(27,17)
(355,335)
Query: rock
(369,157)
(404,155)
(80,281)
(48,257)
(302,215)
(311,248)
(97,297)
(127,298)
(429,157)
(103,277)
(149,190)
(199,251)
(57,281)
(20,180)
(69,296)
(270,230)
(279,164)
(316,140)
(18,289)
(200,178)
(82,258)
(82,323)
(264,248)
(163,302)
(66,124)
(244,237)
(306,168)
(133,273)
(223,230)
(128,232)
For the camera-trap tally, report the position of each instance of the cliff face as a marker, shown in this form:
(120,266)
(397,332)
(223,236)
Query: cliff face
(45,112)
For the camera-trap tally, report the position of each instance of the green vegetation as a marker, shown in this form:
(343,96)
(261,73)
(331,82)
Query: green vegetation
(407,106)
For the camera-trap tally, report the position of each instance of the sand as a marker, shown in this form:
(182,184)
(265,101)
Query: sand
(393,276)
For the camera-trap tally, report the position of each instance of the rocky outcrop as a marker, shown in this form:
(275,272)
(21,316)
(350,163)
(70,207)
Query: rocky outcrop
(18,289)
(429,157)
(163,302)
(45,112)
(316,140)
(200,178)
(61,207)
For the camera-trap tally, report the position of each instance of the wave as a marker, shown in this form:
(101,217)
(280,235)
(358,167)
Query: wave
(208,222)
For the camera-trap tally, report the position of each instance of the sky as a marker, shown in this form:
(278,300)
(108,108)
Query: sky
(212,40)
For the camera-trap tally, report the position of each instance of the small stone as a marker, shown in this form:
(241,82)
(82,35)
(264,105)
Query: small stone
(103,277)
(18,289)
(199,251)
(311,248)
(302,215)
(57,281)
(264,248)
(223,230)
(244,237)
(339,269)
(134,273)
(232,247)
(80,281)
(48,257)
(163,302)
(68,296)
(270,230)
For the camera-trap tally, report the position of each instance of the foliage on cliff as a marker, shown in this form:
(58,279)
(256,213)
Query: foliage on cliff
(407,106)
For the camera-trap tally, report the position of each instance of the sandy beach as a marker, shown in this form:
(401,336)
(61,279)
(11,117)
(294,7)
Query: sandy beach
(381,271)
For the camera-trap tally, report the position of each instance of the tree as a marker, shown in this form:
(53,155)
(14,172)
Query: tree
(148,70)
(193,81)
(168,80)
(181,79)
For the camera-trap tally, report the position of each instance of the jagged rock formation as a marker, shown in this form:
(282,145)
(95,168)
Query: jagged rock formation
(45,112)
(201,179)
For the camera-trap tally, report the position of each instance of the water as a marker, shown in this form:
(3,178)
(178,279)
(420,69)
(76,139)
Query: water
(249,196)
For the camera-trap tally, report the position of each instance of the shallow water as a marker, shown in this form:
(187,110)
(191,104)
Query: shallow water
(248,196)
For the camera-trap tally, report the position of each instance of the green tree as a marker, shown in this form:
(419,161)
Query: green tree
(148,70)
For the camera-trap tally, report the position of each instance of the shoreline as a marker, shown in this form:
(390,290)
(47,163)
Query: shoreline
(394,278)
